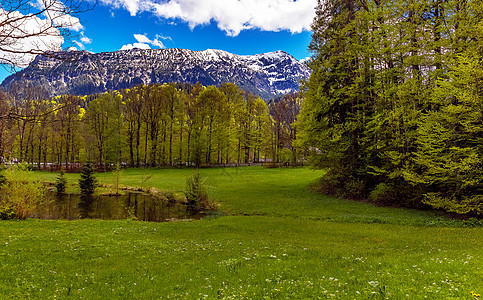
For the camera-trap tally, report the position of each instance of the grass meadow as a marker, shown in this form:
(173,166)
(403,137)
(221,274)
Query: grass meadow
(271,239)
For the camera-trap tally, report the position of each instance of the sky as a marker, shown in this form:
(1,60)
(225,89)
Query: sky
(243,27)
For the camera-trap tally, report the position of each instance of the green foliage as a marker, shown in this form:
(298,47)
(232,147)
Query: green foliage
(151,125)
(383,194)
(87,182)
(7,212)
(61,183)
(21,193)
(456,203)
(450,140)
(286,157)
(3,180)
(196,194)
(354,189)
(397,117)
(104,121)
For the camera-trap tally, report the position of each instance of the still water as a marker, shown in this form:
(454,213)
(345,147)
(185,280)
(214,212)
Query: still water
(141,206)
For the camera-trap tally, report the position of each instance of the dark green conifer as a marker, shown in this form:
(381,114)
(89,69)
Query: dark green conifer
(60,183)
(87,182)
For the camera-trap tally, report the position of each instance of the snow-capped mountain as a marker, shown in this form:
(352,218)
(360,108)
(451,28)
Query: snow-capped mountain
(82,73)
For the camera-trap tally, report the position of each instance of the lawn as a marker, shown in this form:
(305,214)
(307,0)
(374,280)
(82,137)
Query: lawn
(278,240)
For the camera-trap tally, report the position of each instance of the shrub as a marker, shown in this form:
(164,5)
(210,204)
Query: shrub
(382,193)
(452,203)
(7,212)
(20,192)
(196,195)
(353,189)
(286,157)
(3,180)
(330,184)
(397,193)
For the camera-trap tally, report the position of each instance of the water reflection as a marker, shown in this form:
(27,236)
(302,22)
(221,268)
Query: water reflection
(131,205)
(84,205)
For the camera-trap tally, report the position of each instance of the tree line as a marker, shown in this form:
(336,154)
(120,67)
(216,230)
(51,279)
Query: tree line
(394,108)
(156,125)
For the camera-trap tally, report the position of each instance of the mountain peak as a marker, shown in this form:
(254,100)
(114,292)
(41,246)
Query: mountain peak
(82,72)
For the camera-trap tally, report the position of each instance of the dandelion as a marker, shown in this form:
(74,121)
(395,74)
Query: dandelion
(475,294)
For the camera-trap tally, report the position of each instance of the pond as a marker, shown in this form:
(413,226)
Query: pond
(141,206)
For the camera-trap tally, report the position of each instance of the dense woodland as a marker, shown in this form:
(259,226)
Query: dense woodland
(155,125)
(394,108)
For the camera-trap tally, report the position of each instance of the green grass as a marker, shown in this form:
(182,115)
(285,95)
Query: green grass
(282,192)
(280,241)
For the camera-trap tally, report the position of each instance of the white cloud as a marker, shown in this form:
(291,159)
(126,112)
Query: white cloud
(135,45)
(303,60)
(24,40)
(157,43)
(69,22)
(232,16)
(142,38)
(79,45)
(143,43)
(133,6)
(160,36)
(58,13)
(84,39)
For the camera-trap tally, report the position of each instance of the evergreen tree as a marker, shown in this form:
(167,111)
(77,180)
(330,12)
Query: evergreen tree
(337,98)
(87,182)
(61,183)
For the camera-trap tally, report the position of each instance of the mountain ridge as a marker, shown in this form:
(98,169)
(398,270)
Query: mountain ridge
(82,73)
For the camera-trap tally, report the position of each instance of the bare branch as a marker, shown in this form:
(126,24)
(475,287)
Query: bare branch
(31,28)
(42,27)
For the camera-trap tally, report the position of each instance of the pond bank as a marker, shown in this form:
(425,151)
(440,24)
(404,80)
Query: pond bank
(129,205)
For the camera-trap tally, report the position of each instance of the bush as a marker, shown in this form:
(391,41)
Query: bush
(353,189)
(332,183)
(7,213)
(286,157)
(196,195)
(336,183)
(20,192)
(452,203)
(3,180)
(382,194)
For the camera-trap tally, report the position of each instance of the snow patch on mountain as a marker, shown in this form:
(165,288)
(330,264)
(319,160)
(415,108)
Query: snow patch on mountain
(81,72)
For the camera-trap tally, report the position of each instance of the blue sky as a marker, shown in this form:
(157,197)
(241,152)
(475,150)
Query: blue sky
(242,27)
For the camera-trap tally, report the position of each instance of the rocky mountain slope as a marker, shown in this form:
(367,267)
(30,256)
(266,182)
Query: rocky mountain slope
(82,73)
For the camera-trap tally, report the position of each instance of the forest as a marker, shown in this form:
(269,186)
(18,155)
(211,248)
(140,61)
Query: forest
(394,108)
(156,125)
